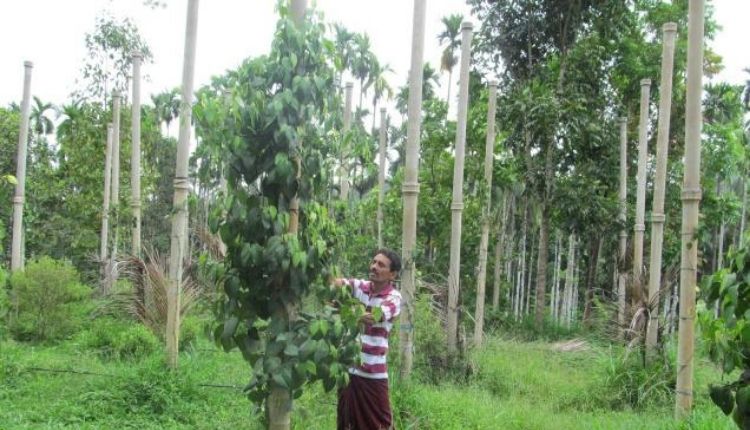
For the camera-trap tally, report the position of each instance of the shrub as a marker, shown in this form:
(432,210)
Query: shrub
(134,343)
(191,329)
(432,360)
(629,383)
(51,303)
(120,339)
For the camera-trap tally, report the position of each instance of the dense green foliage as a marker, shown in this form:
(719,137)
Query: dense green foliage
(49,302)
(274,161)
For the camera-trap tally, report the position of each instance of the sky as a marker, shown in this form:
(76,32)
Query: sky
(50,33)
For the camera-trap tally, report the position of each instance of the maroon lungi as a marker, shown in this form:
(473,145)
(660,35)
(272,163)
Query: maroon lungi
(364,405)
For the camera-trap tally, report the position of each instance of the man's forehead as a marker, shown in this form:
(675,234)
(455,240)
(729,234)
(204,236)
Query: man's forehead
(382,257)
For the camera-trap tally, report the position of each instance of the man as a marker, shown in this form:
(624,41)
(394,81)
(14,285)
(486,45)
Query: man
(364,404)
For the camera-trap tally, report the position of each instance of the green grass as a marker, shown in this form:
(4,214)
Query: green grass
(516,385)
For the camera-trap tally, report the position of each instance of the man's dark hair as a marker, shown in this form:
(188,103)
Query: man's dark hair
(395,258)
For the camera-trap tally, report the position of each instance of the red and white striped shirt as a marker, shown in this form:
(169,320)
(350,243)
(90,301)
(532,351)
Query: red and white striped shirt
(374,337)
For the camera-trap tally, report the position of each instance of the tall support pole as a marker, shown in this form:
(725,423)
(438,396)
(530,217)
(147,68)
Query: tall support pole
(16,257)
(660,182)
(103,256)
(622,276)
(381,173)
(135,159)
(115,185)
(457,207)
(410,189)
(181,186)
(489,155)
(640,197)
(344,169)
(691,196)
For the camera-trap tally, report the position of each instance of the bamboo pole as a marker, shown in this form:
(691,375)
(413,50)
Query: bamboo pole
(454,277)
(181,186)
(640,202)
(660,183)
(17,257)
(344,169)
(135,159)
(410,189)
(381,173)
(103,257)
(691,196)
(622,277)
(489,149)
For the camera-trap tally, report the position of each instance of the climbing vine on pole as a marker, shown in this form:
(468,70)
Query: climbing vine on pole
(273,149)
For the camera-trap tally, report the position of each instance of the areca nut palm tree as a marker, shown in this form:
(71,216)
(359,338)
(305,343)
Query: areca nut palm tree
(451,37)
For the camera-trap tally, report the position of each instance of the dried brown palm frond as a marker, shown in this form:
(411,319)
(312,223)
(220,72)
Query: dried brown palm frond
(146,301)
(635,331)
(438,293)
(212,243)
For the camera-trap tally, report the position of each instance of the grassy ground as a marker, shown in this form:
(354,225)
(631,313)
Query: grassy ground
(516,385)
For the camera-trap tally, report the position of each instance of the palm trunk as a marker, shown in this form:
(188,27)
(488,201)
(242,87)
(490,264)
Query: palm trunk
(594,249)
(115,197)
(691,195)
(344,170)
(640,205)
(135,160)
(181,186)
(660,183)
(569,275)
(103,257)
(622,277)
(555,300)
(454,276)
(743,215)
(17,256)
(489,156)
(381,175)
(497,275)
(410,189)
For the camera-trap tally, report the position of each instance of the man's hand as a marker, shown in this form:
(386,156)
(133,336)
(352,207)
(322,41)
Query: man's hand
(367,318)
(339,282)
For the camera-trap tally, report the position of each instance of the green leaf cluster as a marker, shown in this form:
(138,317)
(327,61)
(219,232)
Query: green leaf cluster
(262,122)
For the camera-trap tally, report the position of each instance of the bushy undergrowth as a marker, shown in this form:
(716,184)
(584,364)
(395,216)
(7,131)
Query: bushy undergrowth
(51,302)
(502,324)
(117,339)
(432,361)
(632,382)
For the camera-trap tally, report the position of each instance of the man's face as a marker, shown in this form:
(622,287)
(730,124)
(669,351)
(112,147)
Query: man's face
(380,269)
